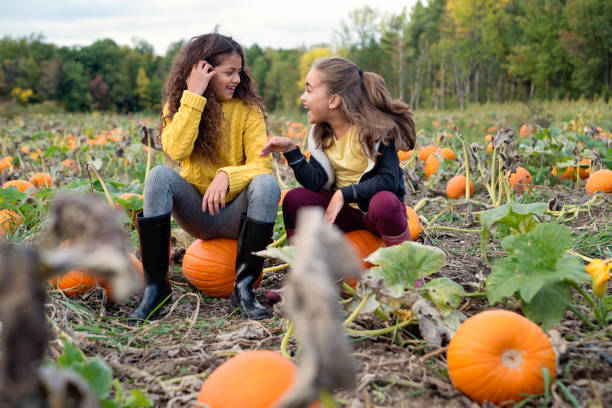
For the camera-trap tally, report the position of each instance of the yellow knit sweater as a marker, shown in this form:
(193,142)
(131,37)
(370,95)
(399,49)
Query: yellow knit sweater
(244,135)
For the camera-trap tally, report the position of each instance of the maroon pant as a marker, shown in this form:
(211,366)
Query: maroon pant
(386,215)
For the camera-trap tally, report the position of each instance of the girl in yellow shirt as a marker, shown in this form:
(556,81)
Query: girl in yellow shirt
(212,123)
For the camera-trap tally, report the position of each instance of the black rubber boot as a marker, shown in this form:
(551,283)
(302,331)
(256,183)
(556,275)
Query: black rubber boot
(253,236)
(154,237)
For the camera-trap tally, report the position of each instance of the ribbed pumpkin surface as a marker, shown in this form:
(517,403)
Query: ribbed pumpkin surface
(22,185)
(520,180)
(600,181)
(414,224)
(210,266)
(74,283)
(364,243)
(255,379)
(455,187)
(497,355)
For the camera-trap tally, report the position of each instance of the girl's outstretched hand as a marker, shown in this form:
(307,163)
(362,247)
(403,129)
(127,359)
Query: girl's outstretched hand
(277,144)
(334,207)
(200,75)
(215,193)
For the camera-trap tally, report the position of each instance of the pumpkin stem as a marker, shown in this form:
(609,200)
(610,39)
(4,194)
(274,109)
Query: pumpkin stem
(512,358)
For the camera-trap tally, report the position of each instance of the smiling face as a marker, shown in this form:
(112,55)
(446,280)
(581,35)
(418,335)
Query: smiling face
(227,76)
(315,98)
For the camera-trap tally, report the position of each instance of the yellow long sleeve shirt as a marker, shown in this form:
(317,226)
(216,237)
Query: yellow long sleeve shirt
(244,135)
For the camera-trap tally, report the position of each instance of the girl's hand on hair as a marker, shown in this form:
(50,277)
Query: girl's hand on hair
(277,144)
(200,75)
(334,207)
(215,193)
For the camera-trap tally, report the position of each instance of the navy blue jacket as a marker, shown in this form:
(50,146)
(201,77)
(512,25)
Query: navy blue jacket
(317,173)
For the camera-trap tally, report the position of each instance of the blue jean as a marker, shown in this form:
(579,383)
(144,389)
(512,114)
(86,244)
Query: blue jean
(166,191)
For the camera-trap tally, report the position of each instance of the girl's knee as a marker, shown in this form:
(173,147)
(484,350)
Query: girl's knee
(159,173)
(265,184)
(386,205)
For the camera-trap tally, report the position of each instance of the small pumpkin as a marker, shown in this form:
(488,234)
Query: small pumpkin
(255,379)
(520,180)
(70,165)
(498,356)
(364,243)
(600,181)
(282,196)
(414,224)
(21,185)
(492,129)
(136,264)
(585,172)
(447,153)
(488,138)
(424,152)
(74,282)
(404,155)
(5,163)
(432,164)
(568,174)
(455,187)
(41,179)
(8,221)
(526,130)
(210,266)
(490,147)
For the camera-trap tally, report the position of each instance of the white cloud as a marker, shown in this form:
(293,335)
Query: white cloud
(269,23)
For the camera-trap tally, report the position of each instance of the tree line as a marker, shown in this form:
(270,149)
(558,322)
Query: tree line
(439,54)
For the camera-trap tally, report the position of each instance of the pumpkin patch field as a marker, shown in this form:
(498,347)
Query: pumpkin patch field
(501,298)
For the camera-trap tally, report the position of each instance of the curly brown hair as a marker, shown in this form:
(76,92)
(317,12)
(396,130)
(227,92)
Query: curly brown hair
(365,102)
(213,48)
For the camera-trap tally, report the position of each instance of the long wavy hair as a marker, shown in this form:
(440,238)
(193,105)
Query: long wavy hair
(213,48)
(365,102)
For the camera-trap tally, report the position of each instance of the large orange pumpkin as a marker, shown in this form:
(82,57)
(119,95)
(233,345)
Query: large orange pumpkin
(8,221)
(363,243)
(526,130)
(498,355)
(41,179)
(600,181)
(520,180)
(22,185)
(455,187)
(254,379)
(210,266)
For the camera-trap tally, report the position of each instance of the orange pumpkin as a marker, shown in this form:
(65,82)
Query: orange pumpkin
(568,174)
(8,221)
(432,164)
(22,185)
(363,243)
(585,172)
(414,224)
(404,155)
(526,130)
(488,138)
(74,282)
(210,266)
(41,179)
(283,194)
(70,165)
(492,129)
(424,152)
(490,147)
(447,153)
(498,356)
(600,181)
(520,180)
(455,187)
(254,379)
(5,163)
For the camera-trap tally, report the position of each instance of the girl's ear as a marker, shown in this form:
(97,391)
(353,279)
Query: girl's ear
(334,102)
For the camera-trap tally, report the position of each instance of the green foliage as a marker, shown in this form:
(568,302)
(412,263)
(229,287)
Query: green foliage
(444,293)
(401,265)
(537,271)
(99,377)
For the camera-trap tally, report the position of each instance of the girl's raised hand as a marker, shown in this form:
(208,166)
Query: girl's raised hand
(277,144)
(200,75)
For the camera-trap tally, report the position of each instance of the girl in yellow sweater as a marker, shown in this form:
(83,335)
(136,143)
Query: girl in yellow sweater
(213,123)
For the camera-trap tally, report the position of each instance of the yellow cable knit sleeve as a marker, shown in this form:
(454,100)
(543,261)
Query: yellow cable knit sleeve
(180,132)
(254,139)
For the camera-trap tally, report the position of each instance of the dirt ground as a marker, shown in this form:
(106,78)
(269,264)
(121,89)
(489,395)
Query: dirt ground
(171,357)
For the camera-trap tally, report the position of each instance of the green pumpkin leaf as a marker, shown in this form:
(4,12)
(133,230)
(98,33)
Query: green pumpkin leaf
(519,217)
(401,265)
(445,294)
(536,262)
(548,305)
(71,356)
(98,375)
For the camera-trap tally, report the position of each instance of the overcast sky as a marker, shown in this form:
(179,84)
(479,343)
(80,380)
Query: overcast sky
(269,23)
